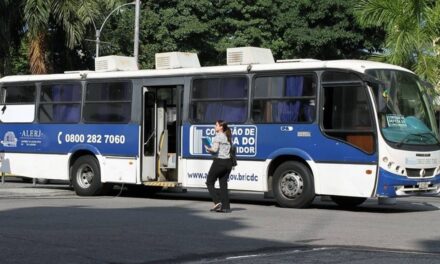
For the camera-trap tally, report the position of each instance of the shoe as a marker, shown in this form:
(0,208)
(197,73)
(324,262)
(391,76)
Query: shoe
(216,207)
(223,210)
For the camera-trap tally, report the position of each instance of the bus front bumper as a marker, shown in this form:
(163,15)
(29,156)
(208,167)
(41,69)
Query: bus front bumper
(393,185)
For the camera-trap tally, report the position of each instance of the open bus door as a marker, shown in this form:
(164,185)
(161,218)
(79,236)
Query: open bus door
(149,135)
(161,124)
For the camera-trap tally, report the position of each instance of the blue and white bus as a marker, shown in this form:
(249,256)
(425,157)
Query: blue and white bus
(348,129)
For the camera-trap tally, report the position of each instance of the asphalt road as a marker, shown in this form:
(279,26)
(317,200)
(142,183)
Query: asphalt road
(50,224)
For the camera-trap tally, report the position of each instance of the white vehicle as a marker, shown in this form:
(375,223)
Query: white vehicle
(349,129)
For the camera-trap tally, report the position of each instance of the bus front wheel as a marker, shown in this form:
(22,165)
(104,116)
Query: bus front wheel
(86,176)
(293,185)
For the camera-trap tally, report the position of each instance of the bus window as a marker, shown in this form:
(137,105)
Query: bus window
(108,102)
(19,104)
(19,94)
(60,103)
(284,99)
(219,98)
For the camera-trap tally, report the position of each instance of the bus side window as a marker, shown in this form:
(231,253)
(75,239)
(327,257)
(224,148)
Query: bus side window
(219,98)
(19,104)
(108,102)
(284,99)
(60,103)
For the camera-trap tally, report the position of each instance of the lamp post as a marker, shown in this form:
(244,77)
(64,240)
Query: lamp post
(136,31)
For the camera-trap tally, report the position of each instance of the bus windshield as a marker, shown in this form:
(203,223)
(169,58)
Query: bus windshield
(405,112)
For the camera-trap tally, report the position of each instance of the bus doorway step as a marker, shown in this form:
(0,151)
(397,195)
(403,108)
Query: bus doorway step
(165,184)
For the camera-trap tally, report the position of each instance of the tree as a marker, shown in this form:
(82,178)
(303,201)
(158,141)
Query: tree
(244,23)
(19,59)
(172,25)
(60,19)
(412,33)
(11,32)
(292,29)
(56,30)
(323,30)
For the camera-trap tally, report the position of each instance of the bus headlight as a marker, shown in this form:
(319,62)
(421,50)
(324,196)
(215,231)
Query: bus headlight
(390,164)
(395,167)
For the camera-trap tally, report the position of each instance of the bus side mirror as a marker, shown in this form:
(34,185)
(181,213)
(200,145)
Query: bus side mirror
(427,84)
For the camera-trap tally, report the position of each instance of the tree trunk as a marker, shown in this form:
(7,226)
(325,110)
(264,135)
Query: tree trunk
(37,54)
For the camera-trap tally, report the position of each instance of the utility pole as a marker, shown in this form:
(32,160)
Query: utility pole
(136,31)
(136,37)
(97,35)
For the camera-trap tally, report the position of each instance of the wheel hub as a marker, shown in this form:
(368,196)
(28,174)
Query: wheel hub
(292,184)
(85,176)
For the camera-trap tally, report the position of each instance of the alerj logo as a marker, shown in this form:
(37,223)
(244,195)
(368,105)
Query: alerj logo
(9,140)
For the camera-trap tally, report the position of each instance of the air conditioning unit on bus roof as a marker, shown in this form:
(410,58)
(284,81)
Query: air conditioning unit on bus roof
(176,60)
(115,63)
(296,60)
(249,55)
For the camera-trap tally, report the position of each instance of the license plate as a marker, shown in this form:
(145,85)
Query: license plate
(423,185)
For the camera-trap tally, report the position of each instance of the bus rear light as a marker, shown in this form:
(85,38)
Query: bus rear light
(368,172)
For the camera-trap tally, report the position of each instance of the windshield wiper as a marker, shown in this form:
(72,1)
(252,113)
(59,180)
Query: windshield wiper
(430,134)
(423,135)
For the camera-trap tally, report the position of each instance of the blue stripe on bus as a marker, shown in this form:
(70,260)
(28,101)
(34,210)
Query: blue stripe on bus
(104,139)
(387,181)
(273,140)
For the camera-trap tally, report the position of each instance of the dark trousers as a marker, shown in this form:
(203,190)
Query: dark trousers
(220,170)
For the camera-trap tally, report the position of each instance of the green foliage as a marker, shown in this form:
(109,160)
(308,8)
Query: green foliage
(49,21)
(165,26)
(70,16)
(10,33)
(292,29)
(324,30)
(412,33)
(19,58)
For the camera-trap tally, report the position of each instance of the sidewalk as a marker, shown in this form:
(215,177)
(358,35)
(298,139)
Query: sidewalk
(14,187)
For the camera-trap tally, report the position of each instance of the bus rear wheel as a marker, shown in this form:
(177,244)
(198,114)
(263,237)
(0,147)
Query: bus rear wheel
(348,202)
(293,185)
(86,176)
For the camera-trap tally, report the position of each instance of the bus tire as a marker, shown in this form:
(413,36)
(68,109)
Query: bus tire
(86,176)
(292,185)
(347,201)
